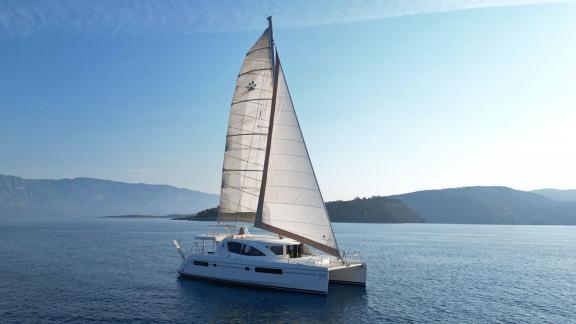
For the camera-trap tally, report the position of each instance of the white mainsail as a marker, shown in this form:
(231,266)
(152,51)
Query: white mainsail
(247,135)
(267,177)
(292,202)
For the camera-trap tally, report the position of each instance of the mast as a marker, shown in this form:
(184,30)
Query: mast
(258,219)
(272,50)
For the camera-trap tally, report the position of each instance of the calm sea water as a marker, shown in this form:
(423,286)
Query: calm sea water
(125,271)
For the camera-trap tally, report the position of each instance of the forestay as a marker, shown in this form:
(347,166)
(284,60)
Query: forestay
(247,134)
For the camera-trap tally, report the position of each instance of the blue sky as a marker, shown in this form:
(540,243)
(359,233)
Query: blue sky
(390,100)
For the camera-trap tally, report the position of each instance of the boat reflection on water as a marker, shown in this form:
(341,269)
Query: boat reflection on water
(218,302)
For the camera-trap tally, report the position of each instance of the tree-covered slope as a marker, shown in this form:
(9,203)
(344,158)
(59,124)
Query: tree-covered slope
(359,210)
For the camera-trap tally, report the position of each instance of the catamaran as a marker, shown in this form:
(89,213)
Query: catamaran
(268,181)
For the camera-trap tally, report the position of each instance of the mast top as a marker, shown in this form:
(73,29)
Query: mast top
(271,37)
(270,30)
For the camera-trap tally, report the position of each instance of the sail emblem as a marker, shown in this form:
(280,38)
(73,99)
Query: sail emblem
(251,86)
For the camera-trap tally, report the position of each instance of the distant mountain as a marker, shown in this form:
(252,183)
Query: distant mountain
(359,210)
(85,197)
(558,195)
(488,205)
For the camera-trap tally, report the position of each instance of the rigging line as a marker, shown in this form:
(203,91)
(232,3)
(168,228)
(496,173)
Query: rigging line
(251,170)
(299,188)
(244,191)
(245,148)
(258,76)
(247,116)
(286,125)
(243,188)
(297,222)
(255,70)
(289,140)
(236,128)
(291,155)
(245,175)
(241,147)
(256,60)
(290,204)
(258,49)
(244,86)
(238,205)
(285,170)
(248,100)
(236,146)
(246,134)
(242,160)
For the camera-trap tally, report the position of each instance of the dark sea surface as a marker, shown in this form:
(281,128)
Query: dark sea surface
(124,270)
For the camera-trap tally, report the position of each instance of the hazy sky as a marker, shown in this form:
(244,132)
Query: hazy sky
(393,96)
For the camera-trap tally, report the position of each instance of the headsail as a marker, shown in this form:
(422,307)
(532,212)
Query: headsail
(247,134)
(292,203)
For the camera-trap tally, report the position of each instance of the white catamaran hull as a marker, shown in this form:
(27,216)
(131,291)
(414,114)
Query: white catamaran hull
(354,274)
(296,277)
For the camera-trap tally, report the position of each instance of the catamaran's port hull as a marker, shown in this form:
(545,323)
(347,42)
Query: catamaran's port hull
(294,277)
(353,274)
(244,284)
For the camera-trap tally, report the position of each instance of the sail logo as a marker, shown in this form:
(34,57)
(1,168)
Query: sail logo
(251,86)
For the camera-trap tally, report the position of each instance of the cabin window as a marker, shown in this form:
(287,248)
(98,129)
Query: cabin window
(268,270)
(201,263)
(294,251)
(235,247)
(248,250)
(276,249)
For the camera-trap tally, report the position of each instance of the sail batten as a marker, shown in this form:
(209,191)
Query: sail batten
(247,135)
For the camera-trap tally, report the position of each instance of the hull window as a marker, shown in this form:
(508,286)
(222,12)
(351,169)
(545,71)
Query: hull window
(201,263)
(276,249)
(235,247)
(268,270)
(244,249)
(248,250)
(294,251)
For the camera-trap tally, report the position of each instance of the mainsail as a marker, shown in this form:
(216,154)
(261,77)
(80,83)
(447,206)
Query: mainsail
(247,135)
(267,176)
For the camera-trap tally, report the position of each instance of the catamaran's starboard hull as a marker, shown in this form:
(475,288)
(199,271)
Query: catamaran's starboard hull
(352,274)
(294,277)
